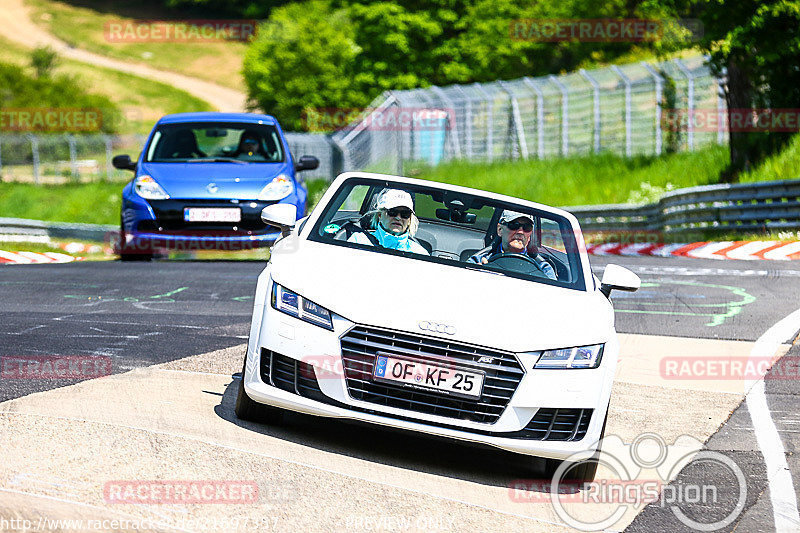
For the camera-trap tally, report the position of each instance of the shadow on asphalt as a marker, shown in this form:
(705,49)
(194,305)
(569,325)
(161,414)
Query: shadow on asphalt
(393,447)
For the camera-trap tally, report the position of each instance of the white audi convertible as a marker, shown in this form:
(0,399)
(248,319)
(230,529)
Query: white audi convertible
(438,309)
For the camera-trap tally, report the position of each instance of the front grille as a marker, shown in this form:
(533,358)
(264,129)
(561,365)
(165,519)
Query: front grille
(361,344)
(169,215)
(290,375)
(299,378)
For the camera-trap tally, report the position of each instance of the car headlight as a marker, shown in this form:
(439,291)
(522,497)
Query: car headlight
(295,305)
(578,357)
(279,188)
(149,189)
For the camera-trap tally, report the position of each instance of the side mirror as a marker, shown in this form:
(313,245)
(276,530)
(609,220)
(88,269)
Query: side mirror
(306,162)
(619,278)
(280,215)
(123,162)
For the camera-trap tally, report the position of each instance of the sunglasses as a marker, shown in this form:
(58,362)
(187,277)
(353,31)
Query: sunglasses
(403,212)
(514,226)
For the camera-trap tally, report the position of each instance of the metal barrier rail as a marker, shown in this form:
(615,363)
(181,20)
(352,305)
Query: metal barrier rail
(741,207)
(57,230)
(772,205)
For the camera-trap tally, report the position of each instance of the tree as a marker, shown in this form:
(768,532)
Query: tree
(43,60)
(303,58)
(755,44)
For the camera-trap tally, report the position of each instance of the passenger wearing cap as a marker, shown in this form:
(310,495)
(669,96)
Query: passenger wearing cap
(514,231)
(395,224)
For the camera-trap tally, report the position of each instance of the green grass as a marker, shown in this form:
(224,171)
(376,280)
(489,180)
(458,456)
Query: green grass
(600,179)
(91,203)
(142,101)
(785,165)
(83,25)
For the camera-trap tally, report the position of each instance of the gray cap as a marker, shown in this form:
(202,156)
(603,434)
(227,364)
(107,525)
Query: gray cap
(509,215)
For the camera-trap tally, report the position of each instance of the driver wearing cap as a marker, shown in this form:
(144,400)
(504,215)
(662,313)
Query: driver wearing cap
(515,230)
(395,224)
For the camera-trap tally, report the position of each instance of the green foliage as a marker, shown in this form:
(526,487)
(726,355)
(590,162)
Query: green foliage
(756,43)
(343,54)
(19,90)
(303,58)
(43,60)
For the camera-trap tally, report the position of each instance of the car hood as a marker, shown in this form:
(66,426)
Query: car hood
(398,293)
(231,180)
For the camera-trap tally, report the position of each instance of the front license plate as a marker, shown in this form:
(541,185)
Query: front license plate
(212,214)
(451,381)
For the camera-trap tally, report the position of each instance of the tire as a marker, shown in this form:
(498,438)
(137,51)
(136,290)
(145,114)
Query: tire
(582,471)
(248,409)
(127,257)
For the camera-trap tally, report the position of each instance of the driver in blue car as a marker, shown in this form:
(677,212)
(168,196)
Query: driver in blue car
(515,230)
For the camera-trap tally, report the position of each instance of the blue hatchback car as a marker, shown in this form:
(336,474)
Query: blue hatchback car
(202,181)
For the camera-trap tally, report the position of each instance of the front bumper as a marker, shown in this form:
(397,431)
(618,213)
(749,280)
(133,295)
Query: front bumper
(319,386)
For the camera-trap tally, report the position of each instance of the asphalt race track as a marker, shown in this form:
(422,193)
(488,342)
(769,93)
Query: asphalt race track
(173,335)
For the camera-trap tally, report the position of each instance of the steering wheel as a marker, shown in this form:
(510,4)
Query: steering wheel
(517,263)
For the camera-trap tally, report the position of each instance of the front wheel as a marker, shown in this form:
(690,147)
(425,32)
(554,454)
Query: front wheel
(128,253)
(582,471)
(248,409)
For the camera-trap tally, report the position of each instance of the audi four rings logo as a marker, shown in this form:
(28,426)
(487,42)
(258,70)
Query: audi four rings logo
(427,325)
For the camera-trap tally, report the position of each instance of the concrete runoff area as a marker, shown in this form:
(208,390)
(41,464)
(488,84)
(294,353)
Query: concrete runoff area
(175,422)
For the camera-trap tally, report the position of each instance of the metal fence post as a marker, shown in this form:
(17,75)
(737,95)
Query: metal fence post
(627,82)
(489,123)
(564,115)
(399,131)
(467,122)
(721,105)
(109,166)
(454,129)
(35,156)
(516,117)
(595,107)
(659,95)
(539,116)
(73,157)
(690,97)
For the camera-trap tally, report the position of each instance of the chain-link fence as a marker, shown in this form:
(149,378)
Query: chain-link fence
(634,109)
(54,159)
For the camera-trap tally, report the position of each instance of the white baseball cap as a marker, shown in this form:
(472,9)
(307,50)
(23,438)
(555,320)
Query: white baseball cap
(509,215)
(395,198)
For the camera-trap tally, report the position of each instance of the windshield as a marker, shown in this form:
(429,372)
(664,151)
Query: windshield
(457,229)
(215,142)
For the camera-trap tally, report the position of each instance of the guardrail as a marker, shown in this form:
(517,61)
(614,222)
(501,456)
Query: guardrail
(739,207)
(56,230)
